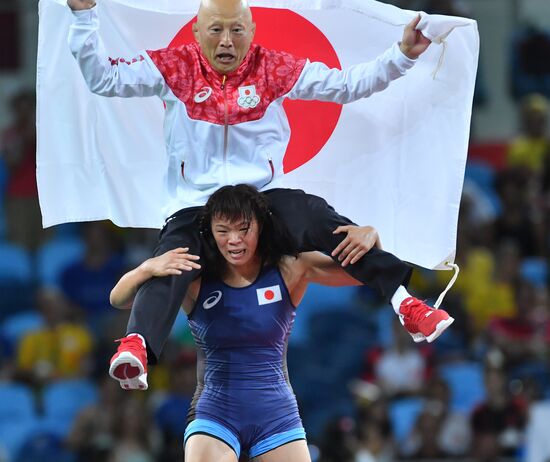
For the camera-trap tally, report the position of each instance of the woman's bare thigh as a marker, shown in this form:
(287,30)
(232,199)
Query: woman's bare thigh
(295,451)
(204,448)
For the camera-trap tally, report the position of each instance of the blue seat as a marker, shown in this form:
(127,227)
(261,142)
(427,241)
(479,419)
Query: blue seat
(384,317)
(318,418)
(44,447)
(16,279)
(13,436)
(17,416)
(321,298)
(481,174)
(339,324)
(15,263)
(535,371)
(340,339)
(466,383)
(54,256)
(16,326)
(403,415)
(535,270)
(16,403)
(3,184)
(63,400)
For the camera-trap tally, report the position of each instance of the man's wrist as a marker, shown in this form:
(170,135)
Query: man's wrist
(85,17)
(406,51)
(85,8)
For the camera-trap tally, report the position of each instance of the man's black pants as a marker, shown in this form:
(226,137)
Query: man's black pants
(311,222)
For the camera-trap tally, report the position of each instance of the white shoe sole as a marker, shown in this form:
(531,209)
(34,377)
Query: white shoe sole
(121,364)
(439,329)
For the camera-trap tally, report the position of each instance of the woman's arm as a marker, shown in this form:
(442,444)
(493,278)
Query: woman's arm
(322,269)
(173,262)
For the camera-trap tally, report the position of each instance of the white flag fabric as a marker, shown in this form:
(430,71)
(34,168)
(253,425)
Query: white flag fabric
(394,160)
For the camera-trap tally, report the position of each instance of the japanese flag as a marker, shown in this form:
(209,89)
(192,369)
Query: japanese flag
(394,160)
(270,294)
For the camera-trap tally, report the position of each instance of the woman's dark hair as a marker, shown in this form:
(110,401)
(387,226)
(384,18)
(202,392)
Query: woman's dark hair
(243,202)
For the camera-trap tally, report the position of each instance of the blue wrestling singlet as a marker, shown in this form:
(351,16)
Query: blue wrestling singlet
(243,395)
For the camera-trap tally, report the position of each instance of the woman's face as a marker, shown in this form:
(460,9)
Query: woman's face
(237,240)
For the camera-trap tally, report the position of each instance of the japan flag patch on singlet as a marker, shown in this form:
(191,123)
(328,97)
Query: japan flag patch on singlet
(269,295)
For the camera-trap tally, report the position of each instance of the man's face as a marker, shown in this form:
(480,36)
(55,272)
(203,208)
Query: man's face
(224,30)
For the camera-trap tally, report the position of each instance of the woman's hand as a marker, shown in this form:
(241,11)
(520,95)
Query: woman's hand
(359,240)
(173,262)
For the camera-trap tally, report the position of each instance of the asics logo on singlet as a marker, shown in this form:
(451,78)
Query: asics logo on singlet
(203,95)
(212,300)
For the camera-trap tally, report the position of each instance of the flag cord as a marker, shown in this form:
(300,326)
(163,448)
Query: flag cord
(456,270)
(440,60)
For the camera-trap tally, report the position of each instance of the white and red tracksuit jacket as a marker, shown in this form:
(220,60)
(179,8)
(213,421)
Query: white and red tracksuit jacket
(220,129)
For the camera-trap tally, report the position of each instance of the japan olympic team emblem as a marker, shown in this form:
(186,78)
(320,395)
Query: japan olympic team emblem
(203,94)
(248,97)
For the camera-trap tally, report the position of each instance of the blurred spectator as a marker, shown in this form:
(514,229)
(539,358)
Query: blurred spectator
(18,149)
(499,422)
(425,431)
(338,443)
(139,244)
(532,147)
(530,63)
(92,436)
(485,294)
(87,283)
(439,431)
(519,222)
(171,413)
(374,443)
(526,336)
(135,433)
(61,349)
(401,369)
(374,433)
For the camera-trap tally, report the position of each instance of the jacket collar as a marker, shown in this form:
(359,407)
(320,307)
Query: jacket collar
(236,77)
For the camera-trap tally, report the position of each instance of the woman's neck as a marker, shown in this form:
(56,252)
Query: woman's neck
(242,275)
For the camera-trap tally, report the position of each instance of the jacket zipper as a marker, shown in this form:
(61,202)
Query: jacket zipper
(225,128)
(270,160)
(272,167)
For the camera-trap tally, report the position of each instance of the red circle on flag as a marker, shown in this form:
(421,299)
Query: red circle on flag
(311,122)
(269,294)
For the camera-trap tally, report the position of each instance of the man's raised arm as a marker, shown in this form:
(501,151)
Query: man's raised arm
(106,76)
(318,82)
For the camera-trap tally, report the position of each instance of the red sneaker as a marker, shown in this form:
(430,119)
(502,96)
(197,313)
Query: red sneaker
(129,363)
(422,321)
